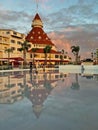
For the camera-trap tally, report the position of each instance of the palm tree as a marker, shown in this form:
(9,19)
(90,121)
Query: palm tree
(34,50)
(47,49)
(97,55)
(75,51)
(24,47)
(9,50)
(62,56)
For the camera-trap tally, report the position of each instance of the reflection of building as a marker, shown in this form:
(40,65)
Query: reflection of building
(10,89)
(39,90)
(10,95)
(36,87)
(75,84)
(90,76)
(37,97)
(40,87)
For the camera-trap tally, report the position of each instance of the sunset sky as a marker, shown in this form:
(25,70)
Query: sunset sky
(67,22)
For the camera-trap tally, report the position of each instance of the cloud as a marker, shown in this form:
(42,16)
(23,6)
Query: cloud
(76,24)
(60,41)
(14,20)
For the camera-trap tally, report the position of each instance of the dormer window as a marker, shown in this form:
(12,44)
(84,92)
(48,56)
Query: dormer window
(39,37)
(31,37)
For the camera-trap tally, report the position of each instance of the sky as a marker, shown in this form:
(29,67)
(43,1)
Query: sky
(67,22)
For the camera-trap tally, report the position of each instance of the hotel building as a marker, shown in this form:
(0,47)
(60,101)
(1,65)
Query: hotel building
(10,39)
(38,40)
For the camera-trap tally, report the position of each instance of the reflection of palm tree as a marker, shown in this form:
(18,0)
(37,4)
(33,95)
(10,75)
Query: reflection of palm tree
(75,85)
(47,83)
(25,86)
(38,92)
(14,93)
(33,79)
(8,83)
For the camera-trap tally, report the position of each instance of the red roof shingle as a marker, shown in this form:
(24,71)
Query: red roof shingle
(37,34)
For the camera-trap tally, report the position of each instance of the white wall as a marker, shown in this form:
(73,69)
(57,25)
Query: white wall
(93,69)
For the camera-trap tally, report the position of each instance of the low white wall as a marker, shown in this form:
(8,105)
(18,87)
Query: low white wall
(77,69)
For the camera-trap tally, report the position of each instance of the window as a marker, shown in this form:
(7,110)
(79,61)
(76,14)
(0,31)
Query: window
(56,56)
(65,57)
(31,37)
(39,37)
(18,49)
(5,48)
(14,33)
(7,32)
(30,55)
(19,91)
(13,92)
(12,41)
(13,48)
(18,42)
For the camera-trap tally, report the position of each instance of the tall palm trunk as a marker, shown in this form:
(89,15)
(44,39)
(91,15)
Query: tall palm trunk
(24,57)
(45,58)
(76,58)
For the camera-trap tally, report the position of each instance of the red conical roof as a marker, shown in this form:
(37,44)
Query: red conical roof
(37,17)
(37,34)
(37,22)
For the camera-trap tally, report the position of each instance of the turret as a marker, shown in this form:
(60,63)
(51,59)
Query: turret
(37,22)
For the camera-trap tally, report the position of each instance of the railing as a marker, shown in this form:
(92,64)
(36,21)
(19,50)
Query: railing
(5,67)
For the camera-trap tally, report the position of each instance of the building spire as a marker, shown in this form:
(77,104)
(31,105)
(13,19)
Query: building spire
(37,22)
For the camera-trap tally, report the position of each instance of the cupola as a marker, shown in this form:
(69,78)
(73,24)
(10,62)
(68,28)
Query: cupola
(37,22)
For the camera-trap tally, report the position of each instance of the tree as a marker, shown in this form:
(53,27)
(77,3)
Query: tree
(97,56)
(62,56)
(9,50)
(75,51)
(47,49)
(34,50)
(24,47)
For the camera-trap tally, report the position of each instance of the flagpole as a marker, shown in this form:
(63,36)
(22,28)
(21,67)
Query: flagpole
(36,5)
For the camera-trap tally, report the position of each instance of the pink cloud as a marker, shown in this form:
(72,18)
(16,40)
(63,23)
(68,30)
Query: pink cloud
(61,42)
(71,29)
